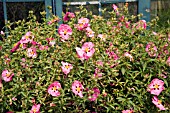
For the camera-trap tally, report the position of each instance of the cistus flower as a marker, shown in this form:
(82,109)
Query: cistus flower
(140,25)
(7,76)
(128,55)
(35,108)
(68,16)
(158,103)
(96,93)
(53,89)
(168,61)
(31,52)
(86,51)
(77,88)
(66,67)
(64,31)
(89,32)
(97,73)
(83,23)
(102,37)
(51,41)
(127,111)
(151,49)
(16,46)
(28,37)
(115,8)
(156,86)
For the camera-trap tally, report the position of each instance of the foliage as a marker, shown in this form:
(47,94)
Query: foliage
(53,73)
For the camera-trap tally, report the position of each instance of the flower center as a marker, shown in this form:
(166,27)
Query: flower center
(54,88)
(159,101)
(156,86)
(67,66)
(65,32)
(78,89)
(32,52)
(8,75)
(86,50)
(34,110)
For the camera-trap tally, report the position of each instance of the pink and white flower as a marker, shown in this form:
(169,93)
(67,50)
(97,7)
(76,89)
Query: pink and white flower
(115,8)
(51,41)
(156,86)
(28,37)
(102,37)
(168,61)
(77,88)
(31,52)
(140,25)
(158,103)
(64,31)
(66,67)
(7,75)
(16,46)
(151,49)
(97,73)
(43,47)
(68,16)
(82,24)
(53,89)
(127,111)
(89,32)
(96,93)
(35,108)
(86,51)
(128,55)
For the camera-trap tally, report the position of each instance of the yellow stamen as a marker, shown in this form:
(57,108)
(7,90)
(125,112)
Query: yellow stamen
(67,66)
(32,52)
(54,88)
(34,110)
(86,49)
(78,89)
(156,86)
(159,101)
(8,75)
(65,32)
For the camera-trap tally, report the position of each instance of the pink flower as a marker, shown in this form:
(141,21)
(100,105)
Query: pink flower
(28,37)
(77,88)
(35,108)
(83,23)
(16,46)
(128,56)
(66,67)
(158,103)
(102,37)
(51,41)
(64,31)
(31,52)
(140,25)
(43,47)
(100,63)
(127,111)
(86,51)
(89,32)
(9,112)
(156,86)
(97,73)
(7,61)
(53,89)
(2,33)
(7,76)
(151,49)
(115,8)
(127,24)
(68,16)
(168,61)
(96,93)
(112,55)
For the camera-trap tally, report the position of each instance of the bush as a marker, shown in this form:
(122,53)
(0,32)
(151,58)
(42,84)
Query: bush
(88,64)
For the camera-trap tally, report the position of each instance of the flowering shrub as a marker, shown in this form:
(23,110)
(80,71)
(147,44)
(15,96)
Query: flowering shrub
(88,64)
